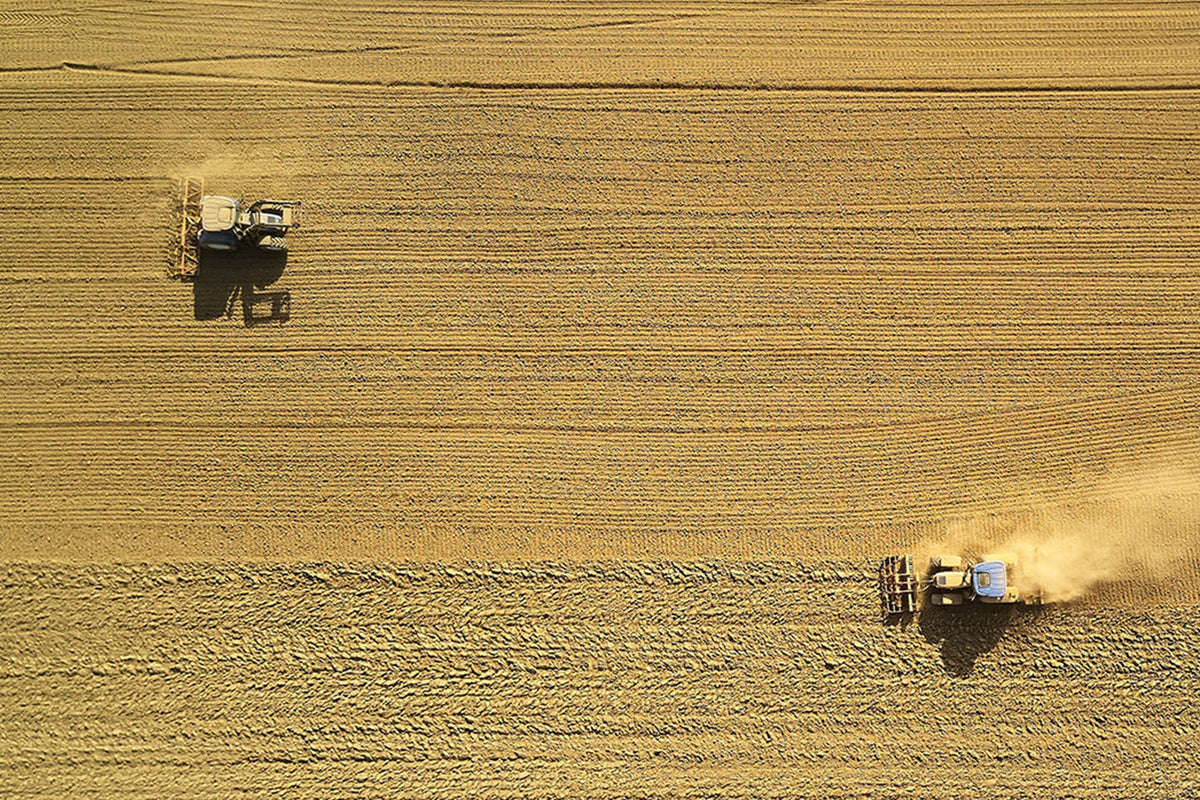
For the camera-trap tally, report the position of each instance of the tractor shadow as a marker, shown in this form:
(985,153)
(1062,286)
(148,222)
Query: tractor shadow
(964,633)
(227,281)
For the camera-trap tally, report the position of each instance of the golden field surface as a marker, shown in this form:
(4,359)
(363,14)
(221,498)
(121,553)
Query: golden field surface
(651,680)
(623,340)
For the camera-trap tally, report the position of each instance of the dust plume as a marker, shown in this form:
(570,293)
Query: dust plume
(255,162)
(1140,529)
(218,166)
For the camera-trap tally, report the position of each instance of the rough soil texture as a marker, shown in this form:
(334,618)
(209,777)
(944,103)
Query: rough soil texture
(576,681)
(662,287)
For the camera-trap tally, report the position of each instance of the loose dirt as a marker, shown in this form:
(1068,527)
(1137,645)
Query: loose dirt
(676,291)
(575,680)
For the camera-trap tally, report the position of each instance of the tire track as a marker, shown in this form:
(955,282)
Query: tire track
(709,324)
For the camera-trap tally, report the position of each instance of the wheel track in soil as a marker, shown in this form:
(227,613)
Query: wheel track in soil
(893,45)
(618,321)
(838,359)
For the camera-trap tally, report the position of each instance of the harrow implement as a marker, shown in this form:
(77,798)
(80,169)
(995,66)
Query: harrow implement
(898,585)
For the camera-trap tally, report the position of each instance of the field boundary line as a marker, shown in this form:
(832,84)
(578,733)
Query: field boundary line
(863,88)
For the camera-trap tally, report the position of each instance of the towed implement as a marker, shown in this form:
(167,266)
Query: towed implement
(950,581)
(898,585)
(214,222)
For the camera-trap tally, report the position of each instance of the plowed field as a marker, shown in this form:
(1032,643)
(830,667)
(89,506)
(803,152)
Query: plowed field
(665,289)
(643,680)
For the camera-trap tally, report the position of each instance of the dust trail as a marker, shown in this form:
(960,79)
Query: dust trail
(216,165)
(220,166)
(1139,529)
(259,162)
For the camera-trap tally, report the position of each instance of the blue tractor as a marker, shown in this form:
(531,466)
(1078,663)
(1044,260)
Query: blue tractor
(951,581)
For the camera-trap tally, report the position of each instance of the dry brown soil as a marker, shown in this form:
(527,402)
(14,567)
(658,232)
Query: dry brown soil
(650,680)
(606,300)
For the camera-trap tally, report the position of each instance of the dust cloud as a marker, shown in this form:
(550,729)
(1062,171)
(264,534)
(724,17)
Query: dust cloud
(1141,529)
(256,161)
(216,166)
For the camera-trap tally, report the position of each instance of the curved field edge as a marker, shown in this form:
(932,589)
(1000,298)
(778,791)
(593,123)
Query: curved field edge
(898,45)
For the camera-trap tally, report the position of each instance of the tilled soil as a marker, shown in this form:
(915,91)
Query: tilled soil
(588,323)
(763,290)
(659,679)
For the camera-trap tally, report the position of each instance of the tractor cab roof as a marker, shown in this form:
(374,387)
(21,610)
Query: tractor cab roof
(990,579)
(218,213)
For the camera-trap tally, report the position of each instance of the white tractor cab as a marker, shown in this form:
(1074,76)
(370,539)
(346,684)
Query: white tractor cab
(952,581)
(225,226)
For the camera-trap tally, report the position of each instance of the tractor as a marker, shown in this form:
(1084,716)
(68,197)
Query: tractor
(212,222)
(950,581)
(224,226)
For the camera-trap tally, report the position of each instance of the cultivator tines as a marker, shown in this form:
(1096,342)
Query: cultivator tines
(898,585)
(191,189)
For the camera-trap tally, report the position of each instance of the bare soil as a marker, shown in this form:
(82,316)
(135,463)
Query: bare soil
(575,680)
(615,300)
(739,325)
